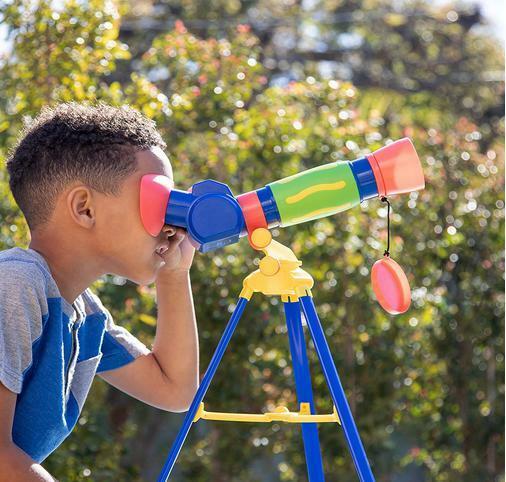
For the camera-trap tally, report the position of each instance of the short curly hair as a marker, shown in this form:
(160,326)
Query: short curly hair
(92,143)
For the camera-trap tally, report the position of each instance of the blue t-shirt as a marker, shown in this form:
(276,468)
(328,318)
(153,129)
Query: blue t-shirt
(50,350)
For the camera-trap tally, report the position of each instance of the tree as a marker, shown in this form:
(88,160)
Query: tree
(405,47)
(425,387)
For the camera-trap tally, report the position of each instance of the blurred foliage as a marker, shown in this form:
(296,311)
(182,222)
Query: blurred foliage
(407,46)
(426,387)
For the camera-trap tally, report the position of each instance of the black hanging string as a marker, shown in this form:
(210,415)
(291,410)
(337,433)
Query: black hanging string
(387,251)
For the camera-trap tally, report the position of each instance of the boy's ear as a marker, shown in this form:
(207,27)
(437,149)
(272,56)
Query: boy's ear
(80,206)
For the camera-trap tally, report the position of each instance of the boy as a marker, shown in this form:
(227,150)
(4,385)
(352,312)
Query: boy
(75,174)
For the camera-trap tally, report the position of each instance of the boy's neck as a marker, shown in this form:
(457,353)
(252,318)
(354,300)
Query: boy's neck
(72,272)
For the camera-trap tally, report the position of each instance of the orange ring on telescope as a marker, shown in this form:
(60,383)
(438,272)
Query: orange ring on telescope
(252,211)
(380,183)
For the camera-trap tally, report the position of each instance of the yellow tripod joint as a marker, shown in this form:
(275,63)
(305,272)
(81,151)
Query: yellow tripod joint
(281,414)
(279,271)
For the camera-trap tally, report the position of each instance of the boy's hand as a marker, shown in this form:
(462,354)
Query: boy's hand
(168,376)
(179,256)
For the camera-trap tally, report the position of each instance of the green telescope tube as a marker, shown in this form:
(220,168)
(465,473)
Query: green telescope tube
(214,217)
(315,193)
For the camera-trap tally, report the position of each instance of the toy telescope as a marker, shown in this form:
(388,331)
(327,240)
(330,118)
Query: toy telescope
(214,217)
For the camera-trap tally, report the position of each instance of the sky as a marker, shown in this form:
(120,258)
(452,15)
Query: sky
(495,12)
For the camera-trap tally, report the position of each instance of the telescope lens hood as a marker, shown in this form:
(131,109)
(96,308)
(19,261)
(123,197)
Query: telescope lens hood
(397,168)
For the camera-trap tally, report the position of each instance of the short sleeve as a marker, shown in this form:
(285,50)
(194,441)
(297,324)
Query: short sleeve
(22,306)
(119,346)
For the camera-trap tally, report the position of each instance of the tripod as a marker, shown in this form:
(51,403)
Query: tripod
(280,274)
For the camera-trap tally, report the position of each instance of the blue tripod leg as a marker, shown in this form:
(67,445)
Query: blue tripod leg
(304,390)
(336,389)
(204,385)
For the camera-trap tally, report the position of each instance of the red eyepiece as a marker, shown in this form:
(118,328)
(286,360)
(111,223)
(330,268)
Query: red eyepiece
(154,196)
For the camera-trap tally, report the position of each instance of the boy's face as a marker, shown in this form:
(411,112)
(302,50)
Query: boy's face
(126,248)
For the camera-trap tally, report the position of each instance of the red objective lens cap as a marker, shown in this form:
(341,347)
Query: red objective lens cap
(390,286)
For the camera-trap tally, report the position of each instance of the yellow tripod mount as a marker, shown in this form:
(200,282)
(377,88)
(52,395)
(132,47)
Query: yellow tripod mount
(279,273)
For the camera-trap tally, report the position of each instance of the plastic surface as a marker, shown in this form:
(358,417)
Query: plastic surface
(390,286)
(342,411)
(202,389)
(269,206)
(304,389)
(154,196)
(252,211)
(315,193)
(214,218)
(177,209)
(351,434)
(397,168)
(364,177)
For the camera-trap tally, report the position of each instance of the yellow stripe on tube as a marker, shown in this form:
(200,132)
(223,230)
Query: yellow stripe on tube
(318,188)
(315,193)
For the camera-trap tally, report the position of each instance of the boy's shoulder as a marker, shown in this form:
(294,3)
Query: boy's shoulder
(25,274)
(23,307)
(22,269)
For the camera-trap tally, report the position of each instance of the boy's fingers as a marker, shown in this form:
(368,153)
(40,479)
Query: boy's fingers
(174,242)
(179,236)
(172,230)
(175,236)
